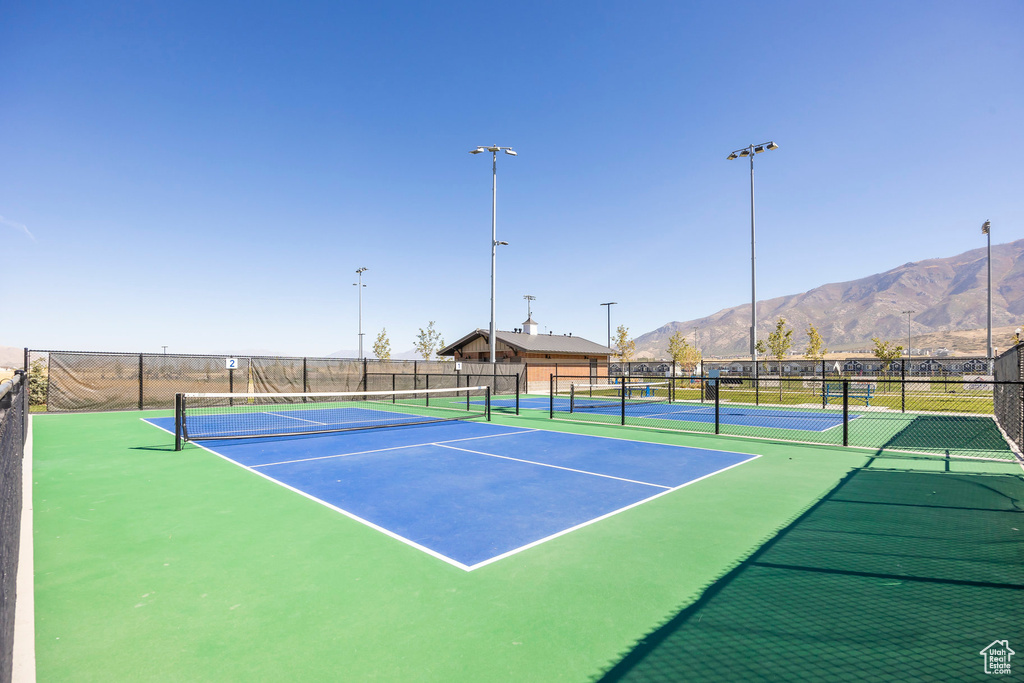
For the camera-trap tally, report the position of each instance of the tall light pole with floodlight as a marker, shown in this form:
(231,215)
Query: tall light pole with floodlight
(529,300)
(750,151)
(609,305)
(986,231)
(494,149)
(909,337)
(360,285)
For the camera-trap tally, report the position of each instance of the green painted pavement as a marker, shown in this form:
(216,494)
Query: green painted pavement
(157,565)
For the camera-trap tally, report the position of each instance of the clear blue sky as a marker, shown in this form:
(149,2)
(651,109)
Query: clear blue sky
(210,175)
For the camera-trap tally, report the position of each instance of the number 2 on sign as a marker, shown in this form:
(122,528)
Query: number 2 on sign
(231,363)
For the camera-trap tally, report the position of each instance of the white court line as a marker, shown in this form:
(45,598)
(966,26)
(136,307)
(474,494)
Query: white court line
(266,412)
(557,467)
(605,516)
(394,448)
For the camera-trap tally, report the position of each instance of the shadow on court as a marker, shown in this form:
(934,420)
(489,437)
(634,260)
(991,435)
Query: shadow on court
(893,575)
(955,434)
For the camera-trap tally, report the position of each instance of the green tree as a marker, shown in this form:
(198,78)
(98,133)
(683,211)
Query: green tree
(779,342)
(382,345)
(886,352)
(683,353)
(815,344)
(626,346)
(429,341)
(38,382)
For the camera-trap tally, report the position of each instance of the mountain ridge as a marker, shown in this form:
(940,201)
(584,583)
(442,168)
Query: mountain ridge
(947,294)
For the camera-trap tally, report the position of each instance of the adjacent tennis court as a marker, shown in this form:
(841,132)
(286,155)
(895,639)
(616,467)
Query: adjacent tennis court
(808,419)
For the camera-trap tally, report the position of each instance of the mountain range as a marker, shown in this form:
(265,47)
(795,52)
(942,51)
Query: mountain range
(946,294)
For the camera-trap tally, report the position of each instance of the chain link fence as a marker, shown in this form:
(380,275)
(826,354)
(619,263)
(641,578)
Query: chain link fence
(76,381)
(13,417)
(1009,398)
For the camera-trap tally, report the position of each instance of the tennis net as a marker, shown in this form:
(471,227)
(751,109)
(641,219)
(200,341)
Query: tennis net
(241,416)
(611,396)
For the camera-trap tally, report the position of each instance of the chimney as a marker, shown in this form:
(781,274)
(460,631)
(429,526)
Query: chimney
(530,327)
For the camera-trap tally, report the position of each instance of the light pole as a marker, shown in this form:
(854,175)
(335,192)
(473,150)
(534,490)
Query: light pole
(609,305)
(360,286)
(750,151)
(985,230)
(165,350)
(909,343)
(493,149)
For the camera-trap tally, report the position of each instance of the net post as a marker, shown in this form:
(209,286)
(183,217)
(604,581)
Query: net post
(717,393)
(572,397)
(394,387)
(487,402)
(178,401)
(551,398)
(467,391)
(846,412)
(428,390)
(623,391)
(140,381)
(903,384)
(517,393)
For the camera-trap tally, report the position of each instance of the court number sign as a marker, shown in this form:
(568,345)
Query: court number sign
(231,363)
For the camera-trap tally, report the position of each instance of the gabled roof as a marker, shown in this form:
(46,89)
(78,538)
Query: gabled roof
(534,343)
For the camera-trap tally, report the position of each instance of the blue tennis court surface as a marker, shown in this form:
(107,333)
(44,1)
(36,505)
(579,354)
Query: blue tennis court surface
(739,415)
(471,493)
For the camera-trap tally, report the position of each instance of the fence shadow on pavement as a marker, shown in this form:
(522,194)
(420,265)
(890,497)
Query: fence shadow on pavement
(893,574)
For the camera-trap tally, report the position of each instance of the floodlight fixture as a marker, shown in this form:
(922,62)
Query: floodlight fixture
(494,149)
(745,152)
(731,156)
(771,145)
(758,149)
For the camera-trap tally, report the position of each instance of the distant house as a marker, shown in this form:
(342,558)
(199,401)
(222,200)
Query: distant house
(543,354)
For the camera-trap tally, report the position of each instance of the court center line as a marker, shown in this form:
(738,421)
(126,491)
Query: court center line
(266,412)
(395,448)
(557,467)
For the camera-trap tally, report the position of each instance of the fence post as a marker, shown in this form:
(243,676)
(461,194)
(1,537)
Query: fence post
(140,381)
(846,412)
(824,385)
(903,386)
(717,392)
